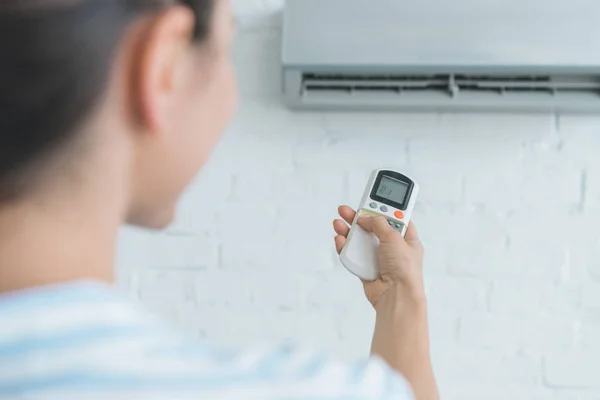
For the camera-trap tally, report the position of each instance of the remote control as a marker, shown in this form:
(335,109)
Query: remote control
(391,195)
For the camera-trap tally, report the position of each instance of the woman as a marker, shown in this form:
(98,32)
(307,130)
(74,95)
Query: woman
(108,108)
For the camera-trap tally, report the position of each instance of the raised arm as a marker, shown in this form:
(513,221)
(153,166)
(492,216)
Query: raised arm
(401,335)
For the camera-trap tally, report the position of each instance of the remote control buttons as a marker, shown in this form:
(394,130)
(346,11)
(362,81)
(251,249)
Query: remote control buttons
(399,214)
(398,226)
(373,205)
(384,208)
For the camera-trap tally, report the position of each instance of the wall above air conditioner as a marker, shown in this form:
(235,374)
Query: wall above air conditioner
(442,55)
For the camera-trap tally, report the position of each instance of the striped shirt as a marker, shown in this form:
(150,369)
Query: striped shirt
(85,341)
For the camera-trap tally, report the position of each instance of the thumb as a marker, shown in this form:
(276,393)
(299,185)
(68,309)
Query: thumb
(412,236)
(379,226)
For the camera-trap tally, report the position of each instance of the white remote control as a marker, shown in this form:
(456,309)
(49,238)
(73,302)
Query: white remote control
(391,195)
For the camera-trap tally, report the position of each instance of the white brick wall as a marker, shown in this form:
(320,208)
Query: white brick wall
(508,212)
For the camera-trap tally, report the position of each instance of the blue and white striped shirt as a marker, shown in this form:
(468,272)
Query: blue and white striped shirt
(84,341)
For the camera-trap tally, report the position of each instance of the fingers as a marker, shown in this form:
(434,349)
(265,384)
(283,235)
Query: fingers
(379,226)
(341,228)
(412,235)
(340,242)
(347,213)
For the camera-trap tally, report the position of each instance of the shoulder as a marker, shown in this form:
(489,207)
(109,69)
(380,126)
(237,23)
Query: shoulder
(265,373)
(76,343)
(286,371)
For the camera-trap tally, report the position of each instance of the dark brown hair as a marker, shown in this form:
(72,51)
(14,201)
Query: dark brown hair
(55,57)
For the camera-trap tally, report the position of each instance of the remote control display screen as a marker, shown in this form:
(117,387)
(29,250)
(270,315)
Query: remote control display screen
(392,189)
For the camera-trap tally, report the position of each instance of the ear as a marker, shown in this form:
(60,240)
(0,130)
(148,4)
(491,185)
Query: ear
(161,57)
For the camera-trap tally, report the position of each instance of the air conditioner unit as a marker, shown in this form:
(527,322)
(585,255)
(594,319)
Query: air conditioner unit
(503,55)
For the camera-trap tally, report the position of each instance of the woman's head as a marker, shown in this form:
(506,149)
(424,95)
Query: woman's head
(122,98)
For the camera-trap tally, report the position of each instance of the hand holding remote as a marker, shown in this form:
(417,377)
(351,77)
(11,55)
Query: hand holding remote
(400,258)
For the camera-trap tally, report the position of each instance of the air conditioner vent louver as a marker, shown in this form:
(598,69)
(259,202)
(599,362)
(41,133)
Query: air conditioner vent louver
(453,85)
(479,90)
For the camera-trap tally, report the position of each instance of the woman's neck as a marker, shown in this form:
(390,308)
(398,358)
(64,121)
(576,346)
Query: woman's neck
(51,241)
